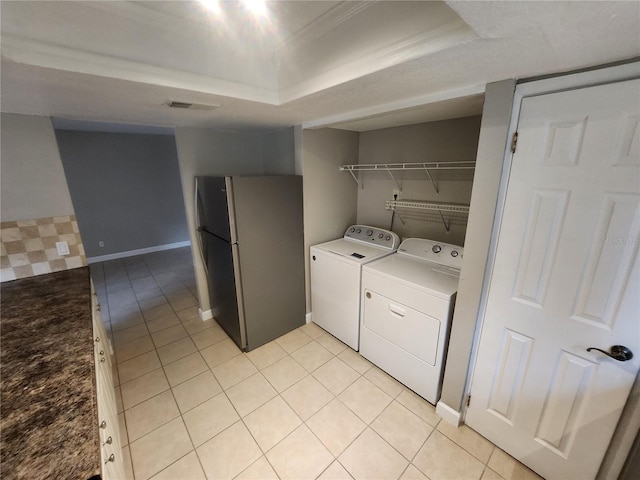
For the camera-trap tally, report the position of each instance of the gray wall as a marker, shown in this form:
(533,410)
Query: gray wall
(494,130)
(443,141)
(33,182)
(330,196)
(204,151)
(125,188)
(278,152)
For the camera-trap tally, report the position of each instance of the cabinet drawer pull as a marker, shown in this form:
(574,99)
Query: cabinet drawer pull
(97,339)
(112,458)
(108,441)
(103,359)
(398,310)
(101,352)
(103,424)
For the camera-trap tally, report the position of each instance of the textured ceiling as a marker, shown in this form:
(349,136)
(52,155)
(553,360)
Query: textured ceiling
(344,64)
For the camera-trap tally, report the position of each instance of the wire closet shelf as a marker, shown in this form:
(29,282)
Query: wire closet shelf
(448,213)
(427,167)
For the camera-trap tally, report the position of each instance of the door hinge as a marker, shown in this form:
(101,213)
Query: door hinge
(468,400)
(514,142)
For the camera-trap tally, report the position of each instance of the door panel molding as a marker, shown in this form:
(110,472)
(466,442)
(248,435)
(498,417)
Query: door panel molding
(628,150)
(515,356)
(564,402)
(603,282)
(563,142)
(540,245)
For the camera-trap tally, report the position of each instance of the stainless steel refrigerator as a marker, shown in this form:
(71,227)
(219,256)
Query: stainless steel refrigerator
(251,239)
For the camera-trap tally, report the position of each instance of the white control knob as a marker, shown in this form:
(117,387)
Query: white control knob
(436,249)
(369,233)
(454,253)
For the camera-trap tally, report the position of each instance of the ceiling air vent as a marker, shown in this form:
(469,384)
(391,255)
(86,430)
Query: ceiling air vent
(190,106)
(174,104)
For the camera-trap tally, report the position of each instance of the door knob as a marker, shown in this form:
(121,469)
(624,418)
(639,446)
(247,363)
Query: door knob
(617,352)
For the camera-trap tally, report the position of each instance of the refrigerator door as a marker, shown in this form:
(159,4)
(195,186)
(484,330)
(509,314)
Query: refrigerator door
(269,226)
(212,207)
(222,285)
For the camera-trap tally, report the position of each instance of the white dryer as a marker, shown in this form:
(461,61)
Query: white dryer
(335,278)
(407,305)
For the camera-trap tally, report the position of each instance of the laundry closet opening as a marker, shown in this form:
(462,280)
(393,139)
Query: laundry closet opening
(415,181)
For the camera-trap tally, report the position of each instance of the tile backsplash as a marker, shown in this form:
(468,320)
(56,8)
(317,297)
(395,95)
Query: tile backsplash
(28,247)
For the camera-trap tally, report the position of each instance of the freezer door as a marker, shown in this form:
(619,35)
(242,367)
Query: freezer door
(212,206)
(222,285)
(269,226)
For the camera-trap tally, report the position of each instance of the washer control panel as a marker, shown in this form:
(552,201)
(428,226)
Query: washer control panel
(373,235)
(433,251)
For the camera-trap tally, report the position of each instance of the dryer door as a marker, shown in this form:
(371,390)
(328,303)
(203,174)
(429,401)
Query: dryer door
(408,329)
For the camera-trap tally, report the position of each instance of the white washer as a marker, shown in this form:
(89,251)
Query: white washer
(407,305)
(335,278)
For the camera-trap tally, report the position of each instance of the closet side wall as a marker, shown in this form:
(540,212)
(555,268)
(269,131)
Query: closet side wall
(492,145)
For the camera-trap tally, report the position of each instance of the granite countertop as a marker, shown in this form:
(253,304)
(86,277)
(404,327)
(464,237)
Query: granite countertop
(48,415)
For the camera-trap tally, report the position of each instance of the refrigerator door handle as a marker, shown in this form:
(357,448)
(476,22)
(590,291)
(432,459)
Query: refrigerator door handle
(231,210)
(239,295)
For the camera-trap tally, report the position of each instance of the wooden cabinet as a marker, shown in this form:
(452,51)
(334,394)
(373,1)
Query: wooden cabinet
(112,460)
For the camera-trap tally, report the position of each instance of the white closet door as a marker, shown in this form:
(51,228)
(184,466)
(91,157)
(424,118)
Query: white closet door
(565,278)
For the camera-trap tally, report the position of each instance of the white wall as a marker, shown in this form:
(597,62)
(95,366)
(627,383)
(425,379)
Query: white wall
(443,141)
(33,184)
(330,196)
(494,129)
(204,151)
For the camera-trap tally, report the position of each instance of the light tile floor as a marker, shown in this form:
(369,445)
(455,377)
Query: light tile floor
(193,406)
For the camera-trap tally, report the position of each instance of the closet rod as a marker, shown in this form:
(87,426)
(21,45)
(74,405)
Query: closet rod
(466,165)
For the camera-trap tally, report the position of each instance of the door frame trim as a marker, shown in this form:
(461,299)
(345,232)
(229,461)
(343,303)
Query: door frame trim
(624,434)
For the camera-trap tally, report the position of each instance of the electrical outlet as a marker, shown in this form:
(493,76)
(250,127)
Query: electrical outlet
(63,248)
(101,244)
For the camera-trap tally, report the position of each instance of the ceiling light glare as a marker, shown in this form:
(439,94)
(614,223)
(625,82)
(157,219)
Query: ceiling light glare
(212,5)
(256,7)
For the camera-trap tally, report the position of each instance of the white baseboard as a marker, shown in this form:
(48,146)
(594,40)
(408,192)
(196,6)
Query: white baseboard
(307,317)
(141,251)
(205,314)
(448,414)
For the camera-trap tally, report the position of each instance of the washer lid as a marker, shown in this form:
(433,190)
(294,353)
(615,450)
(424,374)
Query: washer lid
(354,251)
(434,278)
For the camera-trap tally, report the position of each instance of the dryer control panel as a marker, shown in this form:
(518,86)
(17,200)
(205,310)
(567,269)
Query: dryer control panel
(373,236)
(438,252)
